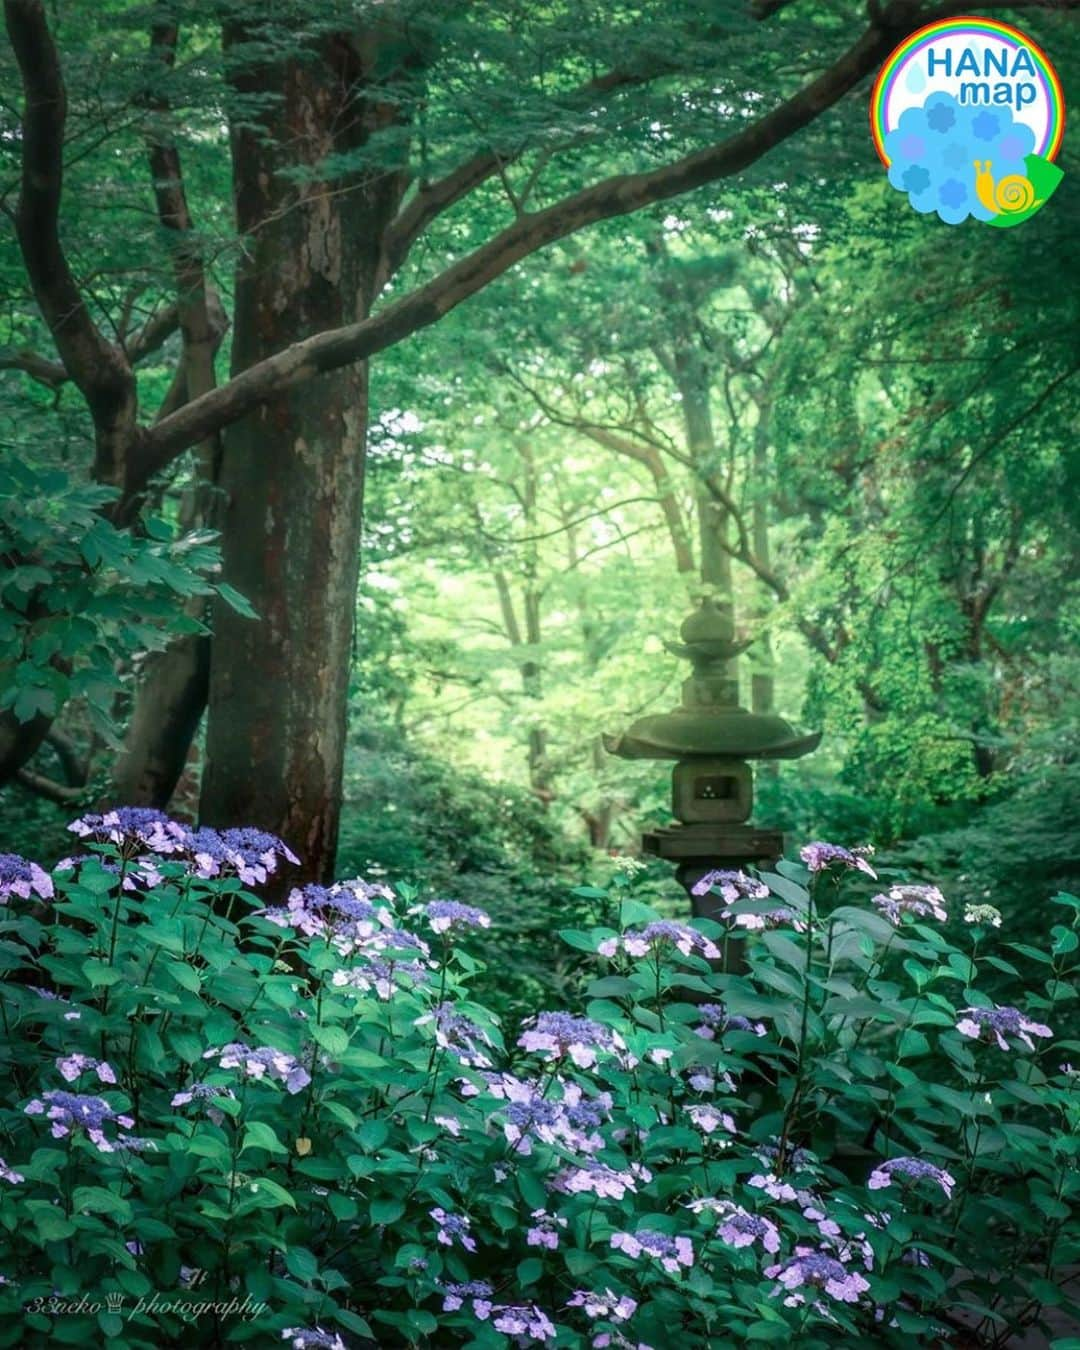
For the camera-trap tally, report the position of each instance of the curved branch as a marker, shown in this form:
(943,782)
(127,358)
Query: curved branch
(615,196)
(98,367)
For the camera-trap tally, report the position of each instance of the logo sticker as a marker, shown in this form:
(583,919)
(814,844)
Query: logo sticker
(967,115)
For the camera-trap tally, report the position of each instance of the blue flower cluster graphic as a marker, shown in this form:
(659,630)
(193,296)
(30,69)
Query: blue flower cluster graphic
(933,149)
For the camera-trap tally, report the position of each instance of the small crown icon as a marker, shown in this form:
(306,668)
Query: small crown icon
(114,1302)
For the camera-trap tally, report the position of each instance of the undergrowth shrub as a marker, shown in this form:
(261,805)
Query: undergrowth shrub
(225,1122)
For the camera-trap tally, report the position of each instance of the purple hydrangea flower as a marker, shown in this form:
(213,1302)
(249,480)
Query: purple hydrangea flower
(919,901)
(544,1230)
(708,1119)
(525,1324)
(737,1227)
(453,1228)
(459,1035)
(732,886)
(671,1252)
(715,1019)
(556,1034)
(773,1186)
(598,1179)
(135,872)
(203,1092)
(133,829)
(342,914)
(817,1270)
(619,1307)
(74,1066)
(8,1174)
(1000,1022)
(252,855)
(20,877)
(657,936)
(882,1175)
(69,1112)
(264,1063)
(443,915)
(758,921)
(818,856)
(315,1339)
(479,1291)
(379,976)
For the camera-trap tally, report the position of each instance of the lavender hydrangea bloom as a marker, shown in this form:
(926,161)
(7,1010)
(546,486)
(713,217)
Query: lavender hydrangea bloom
(342,914)
(882,1175)
(737,1227)
(443,915)
(982,914)
(74,1066)
(708,1119)
(9,1174)
(69,1112)
(525,1324)
(379,977)
(558,1033)
(656,936)
(919,901)
(715,1019)
(544,1230)
(453,1228)
(818,856)
(758,921)
(598,1179)
(203,1092)
(732,886)
(316,1339)
(671,1252)
(479,1291)
(773,1186)
(817,1270)
(1000,1022)
(134,829)
(252,855)
(619,1307)
(20,877)
(135,872)
(262,1064)
(459,1035)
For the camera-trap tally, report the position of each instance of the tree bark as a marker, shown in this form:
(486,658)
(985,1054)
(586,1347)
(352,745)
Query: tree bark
(293,468)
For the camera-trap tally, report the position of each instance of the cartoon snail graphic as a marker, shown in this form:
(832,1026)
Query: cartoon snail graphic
(1011,194)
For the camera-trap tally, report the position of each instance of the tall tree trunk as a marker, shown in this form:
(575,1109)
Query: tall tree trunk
(763,679)
(292,471)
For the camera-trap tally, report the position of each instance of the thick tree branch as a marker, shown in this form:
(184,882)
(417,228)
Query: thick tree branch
(612,197)
(149,339)
(432,199)
(41,786)
(52,374)
(95,364)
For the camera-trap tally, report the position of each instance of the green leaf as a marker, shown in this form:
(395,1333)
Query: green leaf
(386,1209)
(334,1040)
(257,1134)
(184,975)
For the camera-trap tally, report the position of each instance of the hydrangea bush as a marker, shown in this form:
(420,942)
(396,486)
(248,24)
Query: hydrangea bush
(229,1121)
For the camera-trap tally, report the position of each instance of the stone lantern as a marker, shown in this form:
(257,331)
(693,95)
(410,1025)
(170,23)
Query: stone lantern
(711,739)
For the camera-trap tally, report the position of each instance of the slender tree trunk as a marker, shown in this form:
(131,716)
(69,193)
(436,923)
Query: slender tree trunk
(763,679)
(292,471)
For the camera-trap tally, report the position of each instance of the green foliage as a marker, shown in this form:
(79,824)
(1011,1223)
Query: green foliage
(302,1118)
(78,594)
